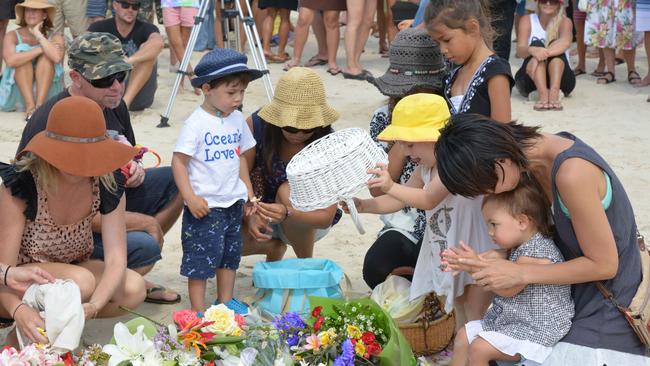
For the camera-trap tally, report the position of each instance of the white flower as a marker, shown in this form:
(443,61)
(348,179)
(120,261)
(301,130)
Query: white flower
(135,348)
(187,359)
(223,318)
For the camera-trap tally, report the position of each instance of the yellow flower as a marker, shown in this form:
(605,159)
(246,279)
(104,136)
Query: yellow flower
(223,318)
(354,332)
(360,349)
(324,338)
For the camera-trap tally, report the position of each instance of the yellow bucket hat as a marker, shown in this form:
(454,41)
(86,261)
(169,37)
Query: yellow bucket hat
(417,118)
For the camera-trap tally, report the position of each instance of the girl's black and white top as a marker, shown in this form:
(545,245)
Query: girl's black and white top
(539,313)
(477,98)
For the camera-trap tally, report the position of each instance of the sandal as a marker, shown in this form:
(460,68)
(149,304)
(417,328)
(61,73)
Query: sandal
(239,307)
(315,61)
(155,300)
(360,76)
(288,65)
(541,106)
(633,77)
(607,78)
(555,106)
(597,73)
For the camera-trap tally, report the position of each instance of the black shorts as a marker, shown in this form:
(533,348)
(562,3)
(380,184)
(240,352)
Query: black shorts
(525,85)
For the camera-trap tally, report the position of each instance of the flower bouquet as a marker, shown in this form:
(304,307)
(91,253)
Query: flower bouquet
(31,355)
(344,333)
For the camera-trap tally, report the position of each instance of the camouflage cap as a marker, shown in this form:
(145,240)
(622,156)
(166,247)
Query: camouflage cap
(97,55)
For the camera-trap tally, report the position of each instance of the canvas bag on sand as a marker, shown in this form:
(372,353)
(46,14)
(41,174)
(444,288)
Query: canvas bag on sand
(286,285)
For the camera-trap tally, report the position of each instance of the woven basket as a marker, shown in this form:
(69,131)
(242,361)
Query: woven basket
(429,337)
(333,169)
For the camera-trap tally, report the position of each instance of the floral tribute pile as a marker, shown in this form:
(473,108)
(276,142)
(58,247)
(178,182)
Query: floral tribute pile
(336,333)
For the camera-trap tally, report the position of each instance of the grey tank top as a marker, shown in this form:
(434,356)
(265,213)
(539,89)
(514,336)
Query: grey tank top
(597,323)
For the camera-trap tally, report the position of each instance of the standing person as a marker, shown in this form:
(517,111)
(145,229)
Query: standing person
(643,25)
(281,8)
(579,18)
(297,115)
(66,176)
(416,66)
(610,26)
(98,69)
(213,179)
(449,219)
(33,54)
(524,322)
(592,214)
(330,9)
(178,16)
(142,43)
(71,13)
(7,12)
(360,14)
(482,81)
(544,41)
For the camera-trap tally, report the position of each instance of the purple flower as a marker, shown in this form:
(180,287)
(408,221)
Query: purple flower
(346,358)
(290,325)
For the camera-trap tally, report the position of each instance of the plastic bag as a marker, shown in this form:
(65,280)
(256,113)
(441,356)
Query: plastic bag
(393,296)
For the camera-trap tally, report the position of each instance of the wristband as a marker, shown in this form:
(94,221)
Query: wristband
(6,271)
(13,315)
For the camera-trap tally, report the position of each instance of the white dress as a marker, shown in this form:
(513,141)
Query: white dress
(456,218)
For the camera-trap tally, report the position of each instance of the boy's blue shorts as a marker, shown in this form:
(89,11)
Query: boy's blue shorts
(212,242)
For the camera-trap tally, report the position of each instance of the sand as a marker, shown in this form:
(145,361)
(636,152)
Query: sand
(613,119)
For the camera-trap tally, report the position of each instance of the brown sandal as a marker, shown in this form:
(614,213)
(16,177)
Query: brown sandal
(603,80)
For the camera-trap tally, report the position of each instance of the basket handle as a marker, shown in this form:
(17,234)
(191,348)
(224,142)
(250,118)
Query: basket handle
(354,214)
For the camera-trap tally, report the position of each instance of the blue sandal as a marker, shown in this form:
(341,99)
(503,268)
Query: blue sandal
(235,305)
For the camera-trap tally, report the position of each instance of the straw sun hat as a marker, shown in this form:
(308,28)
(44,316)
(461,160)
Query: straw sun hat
(35,4)
(75,140)
(415,61)
(299,102)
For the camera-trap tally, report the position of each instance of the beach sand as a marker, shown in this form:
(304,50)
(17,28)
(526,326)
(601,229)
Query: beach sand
(613,119)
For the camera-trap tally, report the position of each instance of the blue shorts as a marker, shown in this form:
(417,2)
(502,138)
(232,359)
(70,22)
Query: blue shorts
(157,190)
(212,242)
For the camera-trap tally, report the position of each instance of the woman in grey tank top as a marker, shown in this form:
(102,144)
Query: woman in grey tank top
(593,218)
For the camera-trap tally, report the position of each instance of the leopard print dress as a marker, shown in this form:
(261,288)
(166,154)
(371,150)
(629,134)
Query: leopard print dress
(46,241)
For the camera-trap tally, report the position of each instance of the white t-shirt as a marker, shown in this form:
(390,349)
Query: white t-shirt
(215,147)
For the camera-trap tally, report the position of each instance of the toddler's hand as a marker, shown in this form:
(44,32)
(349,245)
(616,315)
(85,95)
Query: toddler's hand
(358,203)
(382,180)
(452,258)
(251,206)
(198,206)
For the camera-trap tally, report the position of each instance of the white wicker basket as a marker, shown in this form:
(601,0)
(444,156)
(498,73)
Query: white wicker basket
(333,169)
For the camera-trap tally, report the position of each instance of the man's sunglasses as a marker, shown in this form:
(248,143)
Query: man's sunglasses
(126,5)
(108,81)
(296,130)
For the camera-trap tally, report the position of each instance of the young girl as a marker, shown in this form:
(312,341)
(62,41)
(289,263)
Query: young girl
(482,81)
(524,322)
(212,179)
(281,8)
(415,123)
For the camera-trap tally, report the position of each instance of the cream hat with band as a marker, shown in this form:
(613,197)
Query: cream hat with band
(417,118)
(299,102)
(35,4)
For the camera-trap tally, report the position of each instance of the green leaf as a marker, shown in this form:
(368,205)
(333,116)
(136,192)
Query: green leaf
(225,340)
(125,363)
(209,356)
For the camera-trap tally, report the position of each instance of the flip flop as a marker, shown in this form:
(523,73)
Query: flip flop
(360,76)
(556,106)
(541,106)
(152,300)
(578,72)
(333,71)
(287,66)
(315,61)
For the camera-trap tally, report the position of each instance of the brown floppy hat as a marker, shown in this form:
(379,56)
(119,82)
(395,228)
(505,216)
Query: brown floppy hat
(75,140)
(35,4)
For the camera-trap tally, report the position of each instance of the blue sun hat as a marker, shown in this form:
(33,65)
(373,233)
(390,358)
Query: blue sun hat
(221,62)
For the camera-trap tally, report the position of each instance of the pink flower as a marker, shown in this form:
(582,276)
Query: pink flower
(184,318)
(313,342)
(241,322)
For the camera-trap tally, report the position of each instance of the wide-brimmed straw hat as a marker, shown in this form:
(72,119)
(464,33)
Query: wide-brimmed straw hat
(299,102)
(221,62)
(75,140)
(35,4)
(415,62)
(417,118)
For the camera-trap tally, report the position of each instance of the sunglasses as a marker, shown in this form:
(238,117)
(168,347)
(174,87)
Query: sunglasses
(126,5)
(294,130)
(551,2)
(107,82)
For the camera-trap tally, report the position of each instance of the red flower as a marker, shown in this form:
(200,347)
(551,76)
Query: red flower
(67,359)
(368,338)
(316,312)
(241,322)
(185,318)
(319,322)
(211,363)
(373,349)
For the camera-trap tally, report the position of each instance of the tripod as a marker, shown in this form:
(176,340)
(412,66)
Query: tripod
(252,37)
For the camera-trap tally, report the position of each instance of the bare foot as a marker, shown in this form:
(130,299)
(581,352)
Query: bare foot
(644,82)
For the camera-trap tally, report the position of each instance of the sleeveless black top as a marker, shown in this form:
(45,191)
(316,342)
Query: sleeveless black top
(597,323)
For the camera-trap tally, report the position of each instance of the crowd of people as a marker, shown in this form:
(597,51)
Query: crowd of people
(466,198)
